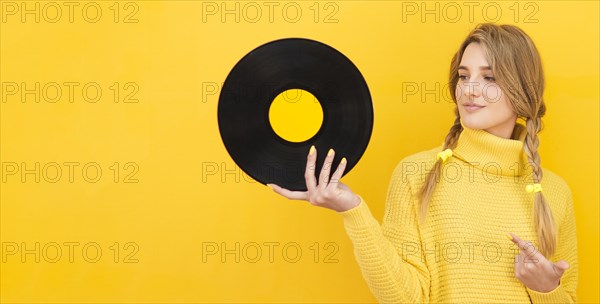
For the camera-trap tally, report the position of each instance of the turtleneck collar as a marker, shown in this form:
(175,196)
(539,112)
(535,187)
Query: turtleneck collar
(493,154)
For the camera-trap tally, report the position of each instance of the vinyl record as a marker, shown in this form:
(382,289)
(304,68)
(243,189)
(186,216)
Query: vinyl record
(280,65)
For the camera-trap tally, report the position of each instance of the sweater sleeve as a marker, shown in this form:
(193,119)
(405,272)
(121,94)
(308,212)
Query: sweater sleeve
(390,255)
(566,291)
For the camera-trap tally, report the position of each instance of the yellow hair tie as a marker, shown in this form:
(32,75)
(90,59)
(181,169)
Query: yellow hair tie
(534,188)
(444,155)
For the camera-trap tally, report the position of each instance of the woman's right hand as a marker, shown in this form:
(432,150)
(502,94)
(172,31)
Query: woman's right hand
(328,193)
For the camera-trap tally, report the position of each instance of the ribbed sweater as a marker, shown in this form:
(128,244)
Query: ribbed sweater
(461,253)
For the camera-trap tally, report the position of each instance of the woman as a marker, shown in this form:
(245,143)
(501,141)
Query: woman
(450,209)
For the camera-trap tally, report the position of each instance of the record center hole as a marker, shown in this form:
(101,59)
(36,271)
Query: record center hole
(296,115)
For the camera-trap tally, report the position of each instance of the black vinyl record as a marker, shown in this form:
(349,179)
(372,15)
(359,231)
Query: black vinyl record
(280,65)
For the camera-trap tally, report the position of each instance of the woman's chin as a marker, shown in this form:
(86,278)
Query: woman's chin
(474,122)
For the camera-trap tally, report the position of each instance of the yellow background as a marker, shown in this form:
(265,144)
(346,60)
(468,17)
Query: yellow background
(182,205)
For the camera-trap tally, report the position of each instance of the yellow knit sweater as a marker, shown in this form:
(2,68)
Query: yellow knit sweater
(461,253)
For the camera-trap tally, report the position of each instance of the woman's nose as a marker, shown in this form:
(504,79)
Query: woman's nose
(472,89)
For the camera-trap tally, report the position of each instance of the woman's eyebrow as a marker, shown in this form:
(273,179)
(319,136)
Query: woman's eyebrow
(483,67)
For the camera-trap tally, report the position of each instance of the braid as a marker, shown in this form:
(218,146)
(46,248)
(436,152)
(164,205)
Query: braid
(542,214)
(433,175)
(531,147)
(452,137)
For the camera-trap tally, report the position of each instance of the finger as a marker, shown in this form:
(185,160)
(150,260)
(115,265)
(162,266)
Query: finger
(335,178)
(520,260)
(526,247)
(518,265)
(324,176)
(294,195)
(523,264)
(309,174)
(560,267)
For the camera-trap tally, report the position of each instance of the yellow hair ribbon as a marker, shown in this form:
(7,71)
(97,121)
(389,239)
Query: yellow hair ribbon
(533,188)
(444,155)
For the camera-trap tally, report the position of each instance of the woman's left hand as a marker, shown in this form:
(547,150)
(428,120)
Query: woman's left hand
(534,270)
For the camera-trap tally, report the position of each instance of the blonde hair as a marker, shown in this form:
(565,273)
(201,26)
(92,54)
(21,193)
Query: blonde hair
(517,67)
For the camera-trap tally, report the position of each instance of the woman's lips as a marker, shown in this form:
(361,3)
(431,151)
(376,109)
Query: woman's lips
(473,108)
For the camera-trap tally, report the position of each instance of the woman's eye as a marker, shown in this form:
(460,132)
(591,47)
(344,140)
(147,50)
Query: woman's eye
(490,78)
(462,77)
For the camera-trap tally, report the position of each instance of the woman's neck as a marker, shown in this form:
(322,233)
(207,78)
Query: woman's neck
(505,130)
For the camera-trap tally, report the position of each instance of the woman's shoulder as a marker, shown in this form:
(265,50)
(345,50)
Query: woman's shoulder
(413,167)
(424,156)
(552,180)
(557,193)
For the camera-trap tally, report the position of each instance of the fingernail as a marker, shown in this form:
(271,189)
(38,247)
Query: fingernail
(269,185)
(312,150)
(343,161)
(509,236)
(330,152)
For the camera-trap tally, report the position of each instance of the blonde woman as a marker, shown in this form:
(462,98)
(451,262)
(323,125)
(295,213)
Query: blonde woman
(501,231)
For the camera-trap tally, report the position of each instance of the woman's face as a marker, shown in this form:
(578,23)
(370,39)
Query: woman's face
(481,102)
